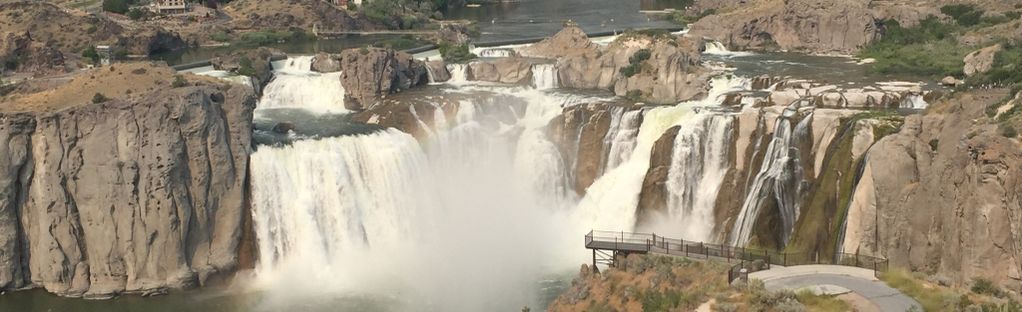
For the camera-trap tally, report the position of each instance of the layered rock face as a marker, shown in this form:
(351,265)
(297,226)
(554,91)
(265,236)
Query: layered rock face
(981,61)
(371,73)
(942,196)
(812,26)
(131,195)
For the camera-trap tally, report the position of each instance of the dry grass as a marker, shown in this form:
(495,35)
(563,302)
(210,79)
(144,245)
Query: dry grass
(119,81)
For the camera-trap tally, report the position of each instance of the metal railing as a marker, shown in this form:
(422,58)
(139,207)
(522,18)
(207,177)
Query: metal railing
(750,259)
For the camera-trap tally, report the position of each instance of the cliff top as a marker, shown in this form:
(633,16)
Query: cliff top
(120,81)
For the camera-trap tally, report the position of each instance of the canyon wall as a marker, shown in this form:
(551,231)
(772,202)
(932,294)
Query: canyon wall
(135,194)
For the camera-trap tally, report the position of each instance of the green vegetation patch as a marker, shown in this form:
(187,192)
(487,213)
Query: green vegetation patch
(267,37)
(927,49)
(935,297)
(636,62)
(455,53)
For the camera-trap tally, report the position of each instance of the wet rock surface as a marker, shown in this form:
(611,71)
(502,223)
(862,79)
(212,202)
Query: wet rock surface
(368,74)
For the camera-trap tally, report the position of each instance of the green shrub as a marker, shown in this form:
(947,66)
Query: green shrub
(245,67)
(91,29)
(99,98)
(220,36)
(455,53)
(963,14)
(984,286)
(635,62)
(934,144)
(136,14)
(179,81)
(1006,69)
(91,54)
(116,6)
(928,49)
(1007,131)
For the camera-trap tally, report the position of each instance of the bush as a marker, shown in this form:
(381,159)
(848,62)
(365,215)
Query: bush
(1006,69)
(245,67)
(116,6)
(91,54)
(963,14)
(220,36)
(455,53)
(934,144)
(99,98)
(635,62)
(136,14)
(1007,131)
(179,81)
(928,49)
(984,286)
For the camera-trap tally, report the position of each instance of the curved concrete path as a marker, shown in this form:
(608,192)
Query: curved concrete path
(857,280)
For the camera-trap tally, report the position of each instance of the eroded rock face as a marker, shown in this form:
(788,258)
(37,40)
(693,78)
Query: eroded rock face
(512,70)
(812,26)
(672,72)
(258,60)
(126,196)
(943,196)
(371,73)
(653,198)
(34,56)
(570,41)
(326,63)
(439,71)
(981,61)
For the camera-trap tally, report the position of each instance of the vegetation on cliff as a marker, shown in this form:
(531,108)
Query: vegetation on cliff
(936,294)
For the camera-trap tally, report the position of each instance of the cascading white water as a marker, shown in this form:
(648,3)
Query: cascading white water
(544,76)
(459,73)
(621,140)
(295,85)
(496,52)
(779,179)
(700,159)
(914,101)
(717,48)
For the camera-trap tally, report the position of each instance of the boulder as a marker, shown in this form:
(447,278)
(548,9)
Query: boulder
(950,81)
(513,70)
(326,63)
(439,71)
(371,73)
(261,68)
(570,41)
(981,61)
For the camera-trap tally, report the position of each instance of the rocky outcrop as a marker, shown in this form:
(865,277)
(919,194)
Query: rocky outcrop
(811,26)
(371,73)
(292,14)
(511,70)
(981,61)
(653,198)
(942,196)
(33,56)
(253,63)
(439,71)
(570,41)
(326,63)
(670,73)
(127,196)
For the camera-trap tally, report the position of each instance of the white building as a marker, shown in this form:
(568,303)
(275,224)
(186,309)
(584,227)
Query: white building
(171,6)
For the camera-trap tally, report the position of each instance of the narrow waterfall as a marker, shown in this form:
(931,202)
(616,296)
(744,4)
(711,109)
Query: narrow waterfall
(295,85)
(544,76)
(779,178)
(496,52)
(914,101)
(718,49)
(459,73)
(700,159)
(620,141)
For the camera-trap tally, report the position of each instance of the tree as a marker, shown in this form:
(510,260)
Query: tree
(99,98)
(90,53)
(116,6)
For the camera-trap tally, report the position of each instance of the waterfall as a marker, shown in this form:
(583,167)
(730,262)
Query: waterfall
(429,74)
(459,73)
(779,178)
(700,159)
(544,76)
(914,101)
(295,85)
(496,52)
(717,48)
(620,139)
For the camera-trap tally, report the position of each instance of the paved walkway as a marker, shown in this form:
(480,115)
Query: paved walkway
(857,280)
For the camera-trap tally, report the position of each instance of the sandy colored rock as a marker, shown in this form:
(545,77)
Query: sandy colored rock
(981,61)
(325,63)
(512,70)
(569,41)
(371,73)
(130,195)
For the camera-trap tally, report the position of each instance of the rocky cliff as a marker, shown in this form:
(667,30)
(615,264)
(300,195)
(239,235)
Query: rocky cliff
(942,196)
(135,194)
(812,26)
(371,73)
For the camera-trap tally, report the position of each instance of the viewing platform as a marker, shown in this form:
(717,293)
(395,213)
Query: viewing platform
(608,245)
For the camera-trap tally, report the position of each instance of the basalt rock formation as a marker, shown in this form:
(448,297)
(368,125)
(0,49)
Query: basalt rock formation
(942,196)
(136,194)
(812,26)
(326,63)
(510,70)
(369,74)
